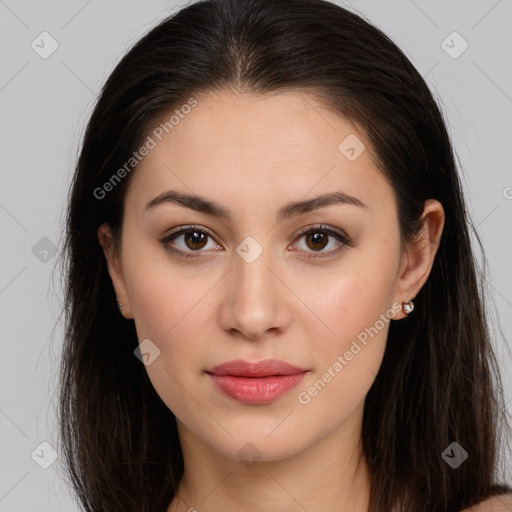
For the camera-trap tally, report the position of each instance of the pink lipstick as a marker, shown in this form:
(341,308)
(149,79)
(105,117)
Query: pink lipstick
(256,383)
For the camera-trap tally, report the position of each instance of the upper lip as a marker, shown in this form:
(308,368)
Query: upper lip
(265,368)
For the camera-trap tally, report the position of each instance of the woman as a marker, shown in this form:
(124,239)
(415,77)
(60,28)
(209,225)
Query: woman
(267,192)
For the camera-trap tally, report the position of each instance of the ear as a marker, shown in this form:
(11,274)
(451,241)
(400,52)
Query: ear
(419,254)
(114,268)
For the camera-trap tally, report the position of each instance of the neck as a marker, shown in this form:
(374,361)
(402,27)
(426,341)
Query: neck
(330,475)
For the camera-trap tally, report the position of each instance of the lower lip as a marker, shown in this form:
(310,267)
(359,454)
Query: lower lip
(256,390)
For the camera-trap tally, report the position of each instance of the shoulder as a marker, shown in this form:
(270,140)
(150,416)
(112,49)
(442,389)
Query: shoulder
(501,503)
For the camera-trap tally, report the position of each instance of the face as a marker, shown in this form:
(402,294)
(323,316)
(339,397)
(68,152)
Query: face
(249,284)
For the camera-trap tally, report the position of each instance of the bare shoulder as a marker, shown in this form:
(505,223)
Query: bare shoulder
(501,503)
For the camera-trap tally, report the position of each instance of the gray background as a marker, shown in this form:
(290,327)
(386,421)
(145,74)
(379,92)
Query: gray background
(45,104)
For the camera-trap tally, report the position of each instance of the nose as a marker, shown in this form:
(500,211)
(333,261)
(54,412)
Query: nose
(255,299)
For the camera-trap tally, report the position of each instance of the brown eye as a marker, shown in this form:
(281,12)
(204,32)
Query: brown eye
(187,240)
(316,239)
(195,239)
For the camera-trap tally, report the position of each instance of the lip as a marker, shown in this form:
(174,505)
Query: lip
(258,382)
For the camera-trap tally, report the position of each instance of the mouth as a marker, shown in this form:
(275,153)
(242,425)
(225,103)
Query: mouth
(265,368)
(256,383)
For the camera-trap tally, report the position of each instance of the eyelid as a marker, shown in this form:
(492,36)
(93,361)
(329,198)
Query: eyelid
(179,231)
(332,231)
(341,236)
(184,229)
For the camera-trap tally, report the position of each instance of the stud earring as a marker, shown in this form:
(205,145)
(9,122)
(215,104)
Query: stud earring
(121,309)
(408,307)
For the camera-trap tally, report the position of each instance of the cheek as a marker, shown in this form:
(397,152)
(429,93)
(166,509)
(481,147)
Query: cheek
(175,322)
(170,304)
(354,306)
(350,299)
(163,295)
(357,310)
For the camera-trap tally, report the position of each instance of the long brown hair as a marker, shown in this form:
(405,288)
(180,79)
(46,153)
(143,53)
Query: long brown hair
(439,381)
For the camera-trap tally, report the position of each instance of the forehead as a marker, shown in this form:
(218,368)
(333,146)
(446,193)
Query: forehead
(249,145)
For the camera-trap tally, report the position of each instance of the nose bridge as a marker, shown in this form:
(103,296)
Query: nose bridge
(252,274)
(256,303)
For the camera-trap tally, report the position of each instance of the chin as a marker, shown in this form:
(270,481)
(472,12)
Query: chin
(256,445)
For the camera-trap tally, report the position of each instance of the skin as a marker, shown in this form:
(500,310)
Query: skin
(253,154)
(501,503)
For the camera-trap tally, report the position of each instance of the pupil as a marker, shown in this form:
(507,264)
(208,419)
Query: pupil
(193,236)
(318,239)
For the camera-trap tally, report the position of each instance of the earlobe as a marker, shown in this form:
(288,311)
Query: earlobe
(420,253)
(106,241)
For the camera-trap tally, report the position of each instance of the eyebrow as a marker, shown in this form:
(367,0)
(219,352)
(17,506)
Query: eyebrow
(203,205)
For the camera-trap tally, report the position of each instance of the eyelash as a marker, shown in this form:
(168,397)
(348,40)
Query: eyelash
(345,240)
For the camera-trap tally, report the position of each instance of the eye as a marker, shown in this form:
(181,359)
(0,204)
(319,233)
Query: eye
(318,237)
(193,238)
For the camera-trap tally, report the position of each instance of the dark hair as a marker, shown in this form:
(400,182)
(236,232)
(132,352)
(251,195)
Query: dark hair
(435,385)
